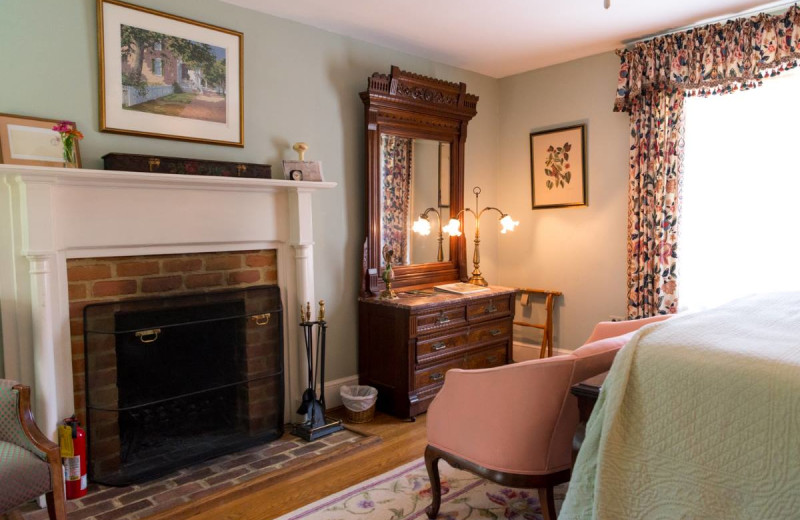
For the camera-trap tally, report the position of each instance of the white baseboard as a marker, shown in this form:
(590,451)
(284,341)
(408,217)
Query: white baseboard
(332,397)
(527,351)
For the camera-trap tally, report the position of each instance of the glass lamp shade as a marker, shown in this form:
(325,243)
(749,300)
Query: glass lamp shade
(508,223)
(452,228)
(421,226)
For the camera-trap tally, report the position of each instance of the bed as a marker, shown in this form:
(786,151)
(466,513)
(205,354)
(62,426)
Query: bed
(699,418)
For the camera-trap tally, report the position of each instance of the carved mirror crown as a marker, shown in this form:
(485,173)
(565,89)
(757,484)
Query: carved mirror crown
(406,114)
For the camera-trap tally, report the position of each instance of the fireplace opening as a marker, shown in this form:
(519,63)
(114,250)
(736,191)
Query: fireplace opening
(176,380)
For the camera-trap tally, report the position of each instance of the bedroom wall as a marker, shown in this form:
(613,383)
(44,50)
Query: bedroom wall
(580,251)
(301,84)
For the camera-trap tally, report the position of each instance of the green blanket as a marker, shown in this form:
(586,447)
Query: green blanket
(699,418)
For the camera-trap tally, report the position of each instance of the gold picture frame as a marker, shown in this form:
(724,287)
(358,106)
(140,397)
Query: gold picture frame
(31,141)
(169,77)
(558,167)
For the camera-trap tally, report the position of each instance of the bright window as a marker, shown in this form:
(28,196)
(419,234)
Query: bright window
(740,218)
(158,67)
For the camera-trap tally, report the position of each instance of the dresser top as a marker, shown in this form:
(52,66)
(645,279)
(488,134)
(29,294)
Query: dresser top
(422,298)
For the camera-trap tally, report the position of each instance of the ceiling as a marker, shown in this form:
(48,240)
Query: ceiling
(499,38)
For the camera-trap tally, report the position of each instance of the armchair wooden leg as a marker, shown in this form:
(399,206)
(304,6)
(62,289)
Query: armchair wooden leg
(432,464)
(56,506)
(547,500)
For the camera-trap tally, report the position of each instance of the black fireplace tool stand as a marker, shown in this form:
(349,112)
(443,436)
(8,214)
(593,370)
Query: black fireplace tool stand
(316,425)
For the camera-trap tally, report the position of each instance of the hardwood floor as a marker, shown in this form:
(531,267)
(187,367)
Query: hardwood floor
(401,442)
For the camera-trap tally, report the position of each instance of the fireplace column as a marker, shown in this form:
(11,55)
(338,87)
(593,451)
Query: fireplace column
(302,240)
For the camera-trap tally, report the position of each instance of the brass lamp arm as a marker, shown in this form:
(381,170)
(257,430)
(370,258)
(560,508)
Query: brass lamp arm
(487,208)
(425,214)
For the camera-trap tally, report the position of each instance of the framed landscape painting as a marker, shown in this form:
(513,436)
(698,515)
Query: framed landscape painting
(169,77)
(558,167)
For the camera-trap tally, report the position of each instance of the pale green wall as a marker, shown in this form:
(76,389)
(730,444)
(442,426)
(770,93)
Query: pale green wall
(580,251)
(301,84)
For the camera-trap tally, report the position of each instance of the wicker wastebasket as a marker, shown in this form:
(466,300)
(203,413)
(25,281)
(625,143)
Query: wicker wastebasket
(359,402)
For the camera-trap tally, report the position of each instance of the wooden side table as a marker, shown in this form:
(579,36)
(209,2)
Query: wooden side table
(587,393)
(546,327)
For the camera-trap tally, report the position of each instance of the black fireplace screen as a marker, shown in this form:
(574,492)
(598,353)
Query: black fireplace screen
(176,380)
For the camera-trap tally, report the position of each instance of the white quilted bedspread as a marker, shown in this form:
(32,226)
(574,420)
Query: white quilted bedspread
(698,419)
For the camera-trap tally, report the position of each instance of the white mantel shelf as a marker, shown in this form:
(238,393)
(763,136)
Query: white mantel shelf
(48,215)
(86,177)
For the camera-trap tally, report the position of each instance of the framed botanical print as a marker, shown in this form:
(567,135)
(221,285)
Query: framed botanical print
(169,77)
(32,141)
(558,167)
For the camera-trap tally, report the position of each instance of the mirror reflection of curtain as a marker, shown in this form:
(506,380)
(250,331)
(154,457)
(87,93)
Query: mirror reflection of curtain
(396,157)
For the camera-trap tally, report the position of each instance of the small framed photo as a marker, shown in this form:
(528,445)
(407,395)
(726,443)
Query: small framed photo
(303,170)
(169,77)
(31,141)
(558,167)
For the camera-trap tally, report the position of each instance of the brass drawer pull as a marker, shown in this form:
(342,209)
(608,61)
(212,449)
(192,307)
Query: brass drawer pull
(261,319)
(153,163)
(495,332)
(442,318)
(438,376)
(491,359)
(148,336)
(439,346)
(490,308)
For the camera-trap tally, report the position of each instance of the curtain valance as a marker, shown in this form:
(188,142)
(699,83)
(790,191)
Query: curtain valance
(713,59)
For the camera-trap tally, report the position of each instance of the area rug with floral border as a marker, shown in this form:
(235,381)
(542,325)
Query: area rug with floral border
(403,494)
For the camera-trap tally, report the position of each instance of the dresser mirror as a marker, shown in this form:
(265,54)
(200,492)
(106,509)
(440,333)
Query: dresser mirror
(416,131)
(411,177)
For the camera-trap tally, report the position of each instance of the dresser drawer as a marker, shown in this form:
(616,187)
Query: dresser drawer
(435,375)
(489,308)
(494,331)
(441,344)
(438,319)
(490,357)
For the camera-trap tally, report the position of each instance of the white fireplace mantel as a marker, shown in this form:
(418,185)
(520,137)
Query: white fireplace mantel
(52,214)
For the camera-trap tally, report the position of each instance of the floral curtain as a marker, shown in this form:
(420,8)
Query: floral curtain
(396,156)
(654,77)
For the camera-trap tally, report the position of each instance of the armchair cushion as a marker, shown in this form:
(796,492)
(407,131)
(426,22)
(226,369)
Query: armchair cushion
(10,427)
(23,476)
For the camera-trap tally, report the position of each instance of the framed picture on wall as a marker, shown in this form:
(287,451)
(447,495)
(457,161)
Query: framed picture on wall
(169,77)
(32,141)
(558,167)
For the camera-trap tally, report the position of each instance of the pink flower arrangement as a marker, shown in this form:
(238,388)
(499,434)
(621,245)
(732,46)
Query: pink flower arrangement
(69,137)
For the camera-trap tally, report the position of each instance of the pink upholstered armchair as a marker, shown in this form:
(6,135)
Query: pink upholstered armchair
(514,424)
(30,463)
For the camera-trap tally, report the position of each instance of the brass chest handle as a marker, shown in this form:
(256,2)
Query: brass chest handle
(442,318)
(438,376)
(490,308)
(439,346)
(495,332)
(261,319)
(148,336)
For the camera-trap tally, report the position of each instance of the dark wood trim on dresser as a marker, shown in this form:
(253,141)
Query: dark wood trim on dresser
(406,346)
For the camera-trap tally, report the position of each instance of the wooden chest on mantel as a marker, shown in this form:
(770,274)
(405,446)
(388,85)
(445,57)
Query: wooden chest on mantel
(407,345)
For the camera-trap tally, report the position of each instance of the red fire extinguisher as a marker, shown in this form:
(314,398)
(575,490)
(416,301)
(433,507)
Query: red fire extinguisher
(73,455)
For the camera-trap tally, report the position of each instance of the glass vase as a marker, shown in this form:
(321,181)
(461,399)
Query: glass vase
(70,157)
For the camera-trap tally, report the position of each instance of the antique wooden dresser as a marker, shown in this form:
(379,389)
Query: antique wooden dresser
(407,345)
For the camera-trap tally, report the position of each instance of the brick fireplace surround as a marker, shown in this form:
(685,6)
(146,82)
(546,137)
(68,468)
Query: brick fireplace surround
(98,280)
(95,221)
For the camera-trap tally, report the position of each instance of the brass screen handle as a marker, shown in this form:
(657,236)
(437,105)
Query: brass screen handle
(439,346)
(148,336)
(438,376)
(261,319)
